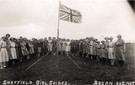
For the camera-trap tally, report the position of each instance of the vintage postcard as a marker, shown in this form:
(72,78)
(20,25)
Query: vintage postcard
(67,42)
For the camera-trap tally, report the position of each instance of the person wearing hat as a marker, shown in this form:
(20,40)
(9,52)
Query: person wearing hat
(74,46)
(84,48)
(80,47)
(91,43)
(50,44)
(63,45)
(17,47)
(103,52)
(42,46)
(54,47)
(4,53)
(87,47)
(106,49)
(59,46)
(120,50)
(111,56)
(67,47)
(98,50)
(34,42)
(7,36)
(13,51)
(45,42)
(1,61)
(8,45)
(95,49)
(24,50)
(39,47)
(31,48)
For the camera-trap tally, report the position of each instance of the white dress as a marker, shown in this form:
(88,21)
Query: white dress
(24,49)
(13,50)
(68,46)
(50,45)
(63,45)
(4,53)
(31,51)
(59,45)
(111,51)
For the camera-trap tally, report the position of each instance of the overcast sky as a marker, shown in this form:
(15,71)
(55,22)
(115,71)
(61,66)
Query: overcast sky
(39,19)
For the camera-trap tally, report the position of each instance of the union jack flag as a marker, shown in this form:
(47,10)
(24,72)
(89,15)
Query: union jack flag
(70,15)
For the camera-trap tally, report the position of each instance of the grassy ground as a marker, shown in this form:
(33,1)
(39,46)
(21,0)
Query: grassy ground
(103,72)
(62,68)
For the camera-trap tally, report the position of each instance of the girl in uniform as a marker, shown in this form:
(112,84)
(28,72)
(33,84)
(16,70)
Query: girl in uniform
(45,42)
(106,49)
(50,45)
(39,46)
(67,47)
(13,51)
(31,48)
(91,48)
(59,46)
(4,52)
(120,50)
(54,47)
(24,50)
(98,50)
(103,52)
(111,56)
(1,67)
(63,46)
(95,50)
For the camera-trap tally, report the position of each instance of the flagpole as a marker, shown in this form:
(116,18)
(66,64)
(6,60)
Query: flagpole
(58,20)
(57,62)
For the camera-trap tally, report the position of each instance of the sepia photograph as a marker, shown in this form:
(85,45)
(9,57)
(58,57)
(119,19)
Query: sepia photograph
(67,42)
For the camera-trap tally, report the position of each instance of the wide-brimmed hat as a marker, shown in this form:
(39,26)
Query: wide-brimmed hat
(91,38)
(106,38)
(111,37)
(8,35)
(98,41)
(49,37)
(102,41)
(119,35)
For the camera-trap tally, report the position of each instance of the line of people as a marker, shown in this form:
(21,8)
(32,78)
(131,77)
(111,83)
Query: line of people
(14,50)
(106,51)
